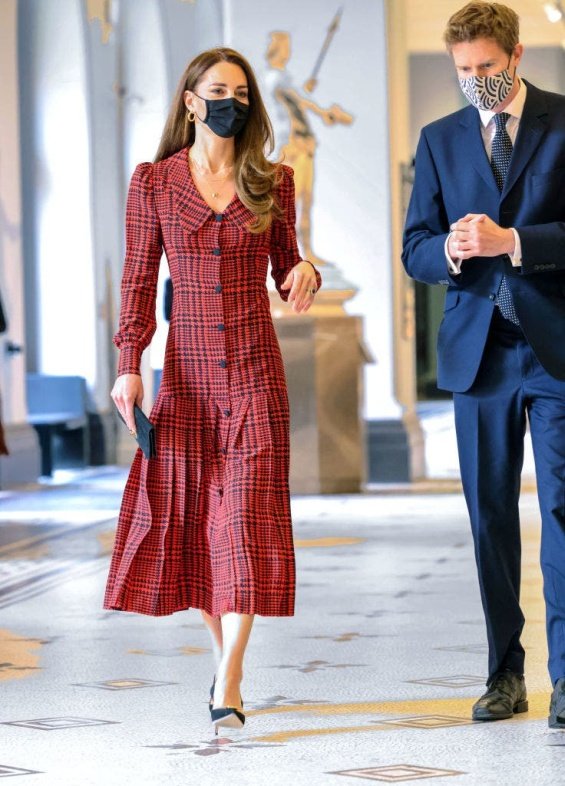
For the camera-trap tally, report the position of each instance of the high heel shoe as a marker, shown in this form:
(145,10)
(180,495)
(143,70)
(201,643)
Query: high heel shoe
(227,716)
(211,701)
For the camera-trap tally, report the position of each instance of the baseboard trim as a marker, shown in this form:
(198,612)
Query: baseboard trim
(388,451)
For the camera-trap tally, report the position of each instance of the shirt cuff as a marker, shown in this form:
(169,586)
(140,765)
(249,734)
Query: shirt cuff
(453,267)
(516,257)
(130,360)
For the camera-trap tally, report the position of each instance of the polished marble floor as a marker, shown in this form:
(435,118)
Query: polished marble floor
(372,680)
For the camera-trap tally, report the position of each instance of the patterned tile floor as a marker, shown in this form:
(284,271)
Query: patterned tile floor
(372,680)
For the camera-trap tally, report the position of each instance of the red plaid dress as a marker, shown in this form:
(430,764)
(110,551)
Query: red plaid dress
(206,524)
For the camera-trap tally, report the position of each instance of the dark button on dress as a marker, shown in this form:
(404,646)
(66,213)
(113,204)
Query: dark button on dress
(206,524)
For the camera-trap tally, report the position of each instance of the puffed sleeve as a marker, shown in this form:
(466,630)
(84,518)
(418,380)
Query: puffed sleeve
(284,252)
(141,270)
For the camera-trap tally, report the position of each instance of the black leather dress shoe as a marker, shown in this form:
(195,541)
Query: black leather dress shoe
(557,706)
(506,695)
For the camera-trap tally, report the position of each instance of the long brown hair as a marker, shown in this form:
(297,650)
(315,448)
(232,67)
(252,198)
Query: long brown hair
(255,175)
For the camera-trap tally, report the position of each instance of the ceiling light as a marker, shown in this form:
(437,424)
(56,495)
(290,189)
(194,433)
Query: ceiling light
(553,11)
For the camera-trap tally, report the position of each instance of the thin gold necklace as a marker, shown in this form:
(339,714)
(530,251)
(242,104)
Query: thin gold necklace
(214,194)
(207,173)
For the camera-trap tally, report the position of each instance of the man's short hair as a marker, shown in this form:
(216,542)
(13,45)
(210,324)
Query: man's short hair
(484,20)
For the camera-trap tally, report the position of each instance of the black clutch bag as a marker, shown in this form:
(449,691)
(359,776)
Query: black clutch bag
(145,432)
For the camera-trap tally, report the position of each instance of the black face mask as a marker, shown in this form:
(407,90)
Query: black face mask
(225,116)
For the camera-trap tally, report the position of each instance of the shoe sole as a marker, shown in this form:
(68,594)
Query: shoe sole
(522,706)
(230,721)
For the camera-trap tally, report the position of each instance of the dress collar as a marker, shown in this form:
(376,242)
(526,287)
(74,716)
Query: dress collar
(193,210)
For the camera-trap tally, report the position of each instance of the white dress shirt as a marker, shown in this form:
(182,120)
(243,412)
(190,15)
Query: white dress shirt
(488,130)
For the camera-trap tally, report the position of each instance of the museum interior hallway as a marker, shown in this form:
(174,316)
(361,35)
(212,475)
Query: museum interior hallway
(373,678)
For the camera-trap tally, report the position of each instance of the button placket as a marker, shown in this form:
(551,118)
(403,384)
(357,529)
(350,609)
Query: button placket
(216,329)
(218,325)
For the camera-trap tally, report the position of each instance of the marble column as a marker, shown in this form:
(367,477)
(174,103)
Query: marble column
(405,436)
(22,465)
(136,55)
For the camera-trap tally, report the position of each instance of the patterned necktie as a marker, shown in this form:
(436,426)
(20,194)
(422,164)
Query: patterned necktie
(500,163)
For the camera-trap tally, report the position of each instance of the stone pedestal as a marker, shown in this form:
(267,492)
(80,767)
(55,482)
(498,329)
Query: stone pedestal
(324,358)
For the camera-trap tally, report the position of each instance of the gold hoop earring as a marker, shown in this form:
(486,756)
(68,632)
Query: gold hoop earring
(191,116)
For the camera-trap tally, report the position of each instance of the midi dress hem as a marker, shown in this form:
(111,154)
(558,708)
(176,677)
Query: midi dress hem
(137,609)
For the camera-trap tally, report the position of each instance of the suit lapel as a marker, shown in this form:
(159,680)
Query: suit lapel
(533,125)
(474,148)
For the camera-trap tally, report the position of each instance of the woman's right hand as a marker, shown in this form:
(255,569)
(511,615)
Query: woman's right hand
(127,391)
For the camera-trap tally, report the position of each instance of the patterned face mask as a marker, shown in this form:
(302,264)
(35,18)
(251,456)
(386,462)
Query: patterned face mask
(487,92)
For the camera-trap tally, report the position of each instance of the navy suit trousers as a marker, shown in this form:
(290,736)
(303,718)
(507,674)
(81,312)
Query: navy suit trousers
(511,386)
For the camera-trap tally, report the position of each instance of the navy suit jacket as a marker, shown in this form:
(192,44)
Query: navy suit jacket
(453,177)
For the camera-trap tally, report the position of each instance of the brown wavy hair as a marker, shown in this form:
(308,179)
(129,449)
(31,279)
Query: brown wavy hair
(255,176)
(484,20)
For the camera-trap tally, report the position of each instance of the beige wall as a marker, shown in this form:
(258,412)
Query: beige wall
(426,23)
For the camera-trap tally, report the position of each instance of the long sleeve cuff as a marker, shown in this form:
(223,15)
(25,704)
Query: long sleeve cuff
(516,257)
(453,267)
(317,272)
(130,360)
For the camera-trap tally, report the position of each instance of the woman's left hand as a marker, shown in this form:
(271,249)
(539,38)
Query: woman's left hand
(303,286)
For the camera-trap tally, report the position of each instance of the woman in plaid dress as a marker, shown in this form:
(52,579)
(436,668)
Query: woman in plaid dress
(206,523)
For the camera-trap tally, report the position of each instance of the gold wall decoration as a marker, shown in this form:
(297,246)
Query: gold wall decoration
(102,11)
(299,148)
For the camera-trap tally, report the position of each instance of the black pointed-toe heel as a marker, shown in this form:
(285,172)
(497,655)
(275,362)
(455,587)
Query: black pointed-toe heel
(230,717)
(211,701)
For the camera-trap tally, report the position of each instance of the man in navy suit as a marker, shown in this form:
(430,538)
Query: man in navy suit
(487,219)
